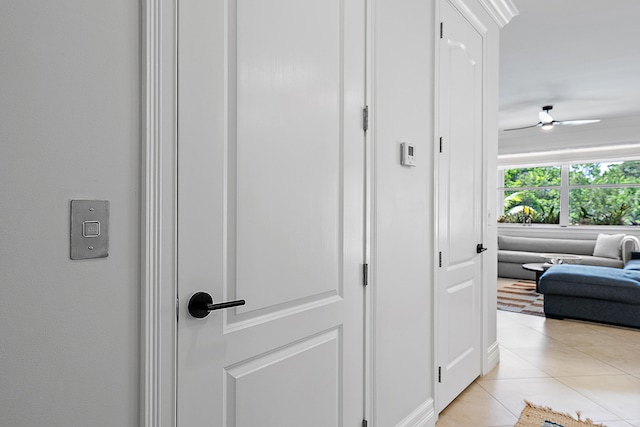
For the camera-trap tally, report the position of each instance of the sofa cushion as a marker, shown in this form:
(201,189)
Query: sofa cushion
(541,245)
(519,257)
(634,264)
(600,261)
(608,245)
(586,281)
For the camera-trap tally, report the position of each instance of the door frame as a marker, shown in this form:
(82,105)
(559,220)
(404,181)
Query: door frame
(158,222)
(159,209)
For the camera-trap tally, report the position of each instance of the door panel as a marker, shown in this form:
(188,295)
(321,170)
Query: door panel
(460,204)
(287,165)
(271,210)
(259,391)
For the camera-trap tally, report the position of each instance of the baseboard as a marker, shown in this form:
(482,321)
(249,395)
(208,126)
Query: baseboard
(493,358)
(423,416)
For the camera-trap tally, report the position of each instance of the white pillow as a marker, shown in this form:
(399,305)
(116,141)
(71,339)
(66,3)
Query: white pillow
(608,245)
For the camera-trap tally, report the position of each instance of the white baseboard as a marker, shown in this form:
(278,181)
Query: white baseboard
(493,358)
(423,416)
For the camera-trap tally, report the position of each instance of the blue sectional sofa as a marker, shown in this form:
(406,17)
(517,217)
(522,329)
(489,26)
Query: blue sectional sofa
(600,294)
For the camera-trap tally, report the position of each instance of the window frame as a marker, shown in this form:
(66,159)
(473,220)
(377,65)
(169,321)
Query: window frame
(564,188)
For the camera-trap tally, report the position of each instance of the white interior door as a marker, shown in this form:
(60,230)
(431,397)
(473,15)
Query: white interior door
(271,211)
(460,206)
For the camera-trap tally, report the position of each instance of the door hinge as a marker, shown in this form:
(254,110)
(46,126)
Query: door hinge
(365,423)
(365,274)
(439,374)
(439,259)
(441,144)
(365,118)
(441,30)
(177,309)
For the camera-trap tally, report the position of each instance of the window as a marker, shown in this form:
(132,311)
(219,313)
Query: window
(571,194)
(531,195)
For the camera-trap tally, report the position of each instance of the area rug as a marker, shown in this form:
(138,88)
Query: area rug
(521,297)
(539,416)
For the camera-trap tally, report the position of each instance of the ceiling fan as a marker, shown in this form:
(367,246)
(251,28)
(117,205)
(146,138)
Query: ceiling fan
(547,122)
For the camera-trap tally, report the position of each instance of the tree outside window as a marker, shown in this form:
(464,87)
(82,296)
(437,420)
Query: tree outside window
(596,193)
(531,195)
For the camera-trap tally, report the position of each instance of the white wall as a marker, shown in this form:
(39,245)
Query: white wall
(69,129)
(403,209)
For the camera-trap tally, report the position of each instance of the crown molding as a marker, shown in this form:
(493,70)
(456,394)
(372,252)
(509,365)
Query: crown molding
(501,11)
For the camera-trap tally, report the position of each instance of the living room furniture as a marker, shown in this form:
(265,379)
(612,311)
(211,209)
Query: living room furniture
(538,268)
(514,251)
(600,294)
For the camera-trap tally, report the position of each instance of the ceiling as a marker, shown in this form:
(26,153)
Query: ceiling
(581,56)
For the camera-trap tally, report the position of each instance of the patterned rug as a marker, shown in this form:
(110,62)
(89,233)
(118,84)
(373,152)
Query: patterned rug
(521,297)
(539,416)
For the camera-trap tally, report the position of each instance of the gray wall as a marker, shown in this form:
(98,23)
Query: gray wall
(69,129)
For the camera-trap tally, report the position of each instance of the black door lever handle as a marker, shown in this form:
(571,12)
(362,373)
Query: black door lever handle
(201,303)
(480,248)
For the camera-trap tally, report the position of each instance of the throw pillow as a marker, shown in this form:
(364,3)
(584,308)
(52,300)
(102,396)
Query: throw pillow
(608,245)
(635,255)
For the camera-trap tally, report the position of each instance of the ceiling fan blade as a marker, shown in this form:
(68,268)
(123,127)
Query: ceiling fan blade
(575,122)
(525,127)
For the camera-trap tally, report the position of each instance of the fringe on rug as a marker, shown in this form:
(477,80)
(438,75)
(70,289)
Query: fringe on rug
(551,411)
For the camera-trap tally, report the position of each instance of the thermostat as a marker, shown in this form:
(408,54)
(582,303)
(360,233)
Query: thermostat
(408,155)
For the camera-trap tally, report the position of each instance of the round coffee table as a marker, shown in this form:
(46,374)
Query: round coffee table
(538,268)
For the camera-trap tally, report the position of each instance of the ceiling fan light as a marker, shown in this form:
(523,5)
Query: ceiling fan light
(545,117)
(547,126)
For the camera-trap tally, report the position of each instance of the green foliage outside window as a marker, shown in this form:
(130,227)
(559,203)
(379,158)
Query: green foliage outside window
(532,177)
(528,206)
(598,194)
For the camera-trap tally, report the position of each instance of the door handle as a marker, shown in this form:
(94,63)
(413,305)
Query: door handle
(480,248)
(201,303)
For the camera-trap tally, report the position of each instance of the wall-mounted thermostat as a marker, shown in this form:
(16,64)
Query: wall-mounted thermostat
(408,155)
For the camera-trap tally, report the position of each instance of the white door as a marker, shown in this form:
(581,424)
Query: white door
(271,211)
(460,206)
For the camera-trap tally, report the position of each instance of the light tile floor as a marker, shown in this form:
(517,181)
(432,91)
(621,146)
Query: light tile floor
(568,365)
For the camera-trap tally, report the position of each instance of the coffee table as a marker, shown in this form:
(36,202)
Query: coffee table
(538,268)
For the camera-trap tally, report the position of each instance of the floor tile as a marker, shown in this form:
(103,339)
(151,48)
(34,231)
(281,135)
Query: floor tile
(620,355)
(558,360)
(569,365)
(619,394)
(615,423)
(512,319)
(513,366)
(522,337)
(629,335)
(575,334)
(475,407)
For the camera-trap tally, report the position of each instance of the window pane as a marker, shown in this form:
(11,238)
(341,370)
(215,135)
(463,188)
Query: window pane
(605,173)
(532,177)
(540,206)
(604,206)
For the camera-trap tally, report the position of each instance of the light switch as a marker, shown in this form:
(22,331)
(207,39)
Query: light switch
(89,229)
